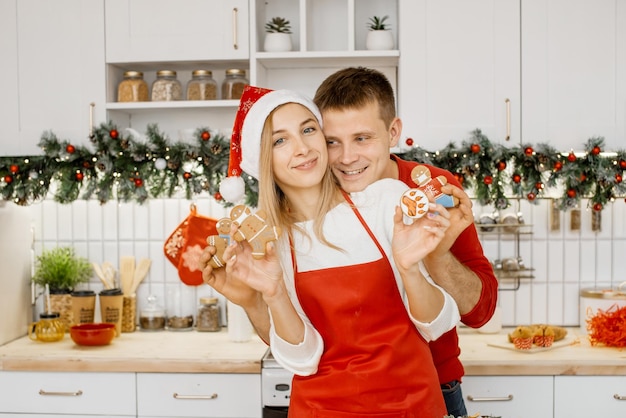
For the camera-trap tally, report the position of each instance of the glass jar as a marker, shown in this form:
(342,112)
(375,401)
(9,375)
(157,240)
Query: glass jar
(166,87)
(208,318)
(202,86)
(233,84)
(49,328)
(132,88)
(152,317)
(181,308)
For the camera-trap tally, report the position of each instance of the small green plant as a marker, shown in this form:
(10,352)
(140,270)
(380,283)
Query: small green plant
(61,269)
(378,23)
(278,25)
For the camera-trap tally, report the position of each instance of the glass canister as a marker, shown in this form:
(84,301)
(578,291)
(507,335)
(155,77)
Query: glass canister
(233,84)
(132,88)
(152,317)
(49,328)
(181,308)
(166,87)
(202,86)
(208,318)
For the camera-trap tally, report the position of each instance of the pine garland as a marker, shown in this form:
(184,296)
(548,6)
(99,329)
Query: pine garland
(119,166)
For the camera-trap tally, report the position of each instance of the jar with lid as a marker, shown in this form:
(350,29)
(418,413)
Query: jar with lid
(181,308)
(208,318)
(202,86)
(166,87)
(132,88)
(152,317)
(233,84)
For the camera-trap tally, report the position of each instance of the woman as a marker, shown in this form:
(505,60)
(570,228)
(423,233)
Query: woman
(350,324)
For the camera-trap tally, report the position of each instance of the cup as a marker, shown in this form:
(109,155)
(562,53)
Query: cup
(49,328)
(111,305)
(83,306)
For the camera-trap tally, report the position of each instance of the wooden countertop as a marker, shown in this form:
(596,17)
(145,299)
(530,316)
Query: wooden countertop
(197,352)
(165,351)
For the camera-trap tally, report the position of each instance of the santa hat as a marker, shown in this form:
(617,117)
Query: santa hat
(255,105)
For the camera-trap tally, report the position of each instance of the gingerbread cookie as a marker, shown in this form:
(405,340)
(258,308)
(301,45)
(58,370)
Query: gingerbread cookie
(422,177)
(414,203)
(220,243)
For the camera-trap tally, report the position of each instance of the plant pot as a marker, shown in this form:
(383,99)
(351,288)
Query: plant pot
(277,42)
(379,40)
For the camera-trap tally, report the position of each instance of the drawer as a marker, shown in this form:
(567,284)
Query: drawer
(198,395)
(589,396)
(68,393)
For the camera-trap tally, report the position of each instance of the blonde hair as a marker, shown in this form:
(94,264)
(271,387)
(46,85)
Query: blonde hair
(276,204)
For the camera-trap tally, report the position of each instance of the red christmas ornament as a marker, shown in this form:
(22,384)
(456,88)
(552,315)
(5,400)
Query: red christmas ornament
(114,134)
(558,166)
(596,150)
(8,179)
(538,185)
(70,149)
(571,157)
(618,178)
(528,151)
(186,175)
(501,165)
(517,178)
(475,148)
(531,196)
(583,177)
(138,182)
(217,196)
(597,207)
(79,176)
(86,164)
(622,164)
(14,168)
(409,142)
(459,177)
(571,193)
(205,135)
(488,180)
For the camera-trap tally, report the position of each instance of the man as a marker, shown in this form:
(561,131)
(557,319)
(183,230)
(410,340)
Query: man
(360,125)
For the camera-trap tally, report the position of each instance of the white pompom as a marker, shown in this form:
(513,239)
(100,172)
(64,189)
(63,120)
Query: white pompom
(232,189)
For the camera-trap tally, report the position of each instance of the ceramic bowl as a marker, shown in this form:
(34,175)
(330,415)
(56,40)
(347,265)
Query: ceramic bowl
(93,334)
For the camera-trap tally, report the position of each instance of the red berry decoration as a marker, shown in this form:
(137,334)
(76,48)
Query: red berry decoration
(501,165)
(558,166)
(583,177)
(571,193)
(70,149)
(528,151)
(475,148)
(114,134)
(217,196)
(517,178)
(79,176)
(205,135)
(618,178)
(14,168)
(538,185)
(531,196)
(138,182)
(186,175)
(8,179)
(459,177)
(571,157)
(596,150)
(488,180)
(409,142)
(622,164)
(597,207)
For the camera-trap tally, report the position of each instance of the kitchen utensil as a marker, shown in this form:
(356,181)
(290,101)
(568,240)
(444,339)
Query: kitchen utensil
(101,276)
(140,273)
(109,274)
(127,272)
(92,334)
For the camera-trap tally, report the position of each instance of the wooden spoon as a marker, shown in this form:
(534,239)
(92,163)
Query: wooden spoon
(127,272)
(140,273)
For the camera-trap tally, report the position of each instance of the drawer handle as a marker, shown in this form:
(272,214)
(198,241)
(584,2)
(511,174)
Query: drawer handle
(490,399)
(177,396)
(620,397)
(46,393)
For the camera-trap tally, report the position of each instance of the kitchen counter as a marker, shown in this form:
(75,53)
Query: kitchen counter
(196,352)
(164,352)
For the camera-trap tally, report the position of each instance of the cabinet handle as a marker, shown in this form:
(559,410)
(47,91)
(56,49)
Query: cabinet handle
(92,105)
(620,397)
(46,393)
(508,119)
(490,399)
(177,396)
(235,41)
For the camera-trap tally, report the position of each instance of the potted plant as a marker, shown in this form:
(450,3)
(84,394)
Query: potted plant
(379,36)
(278,35)
(60,270)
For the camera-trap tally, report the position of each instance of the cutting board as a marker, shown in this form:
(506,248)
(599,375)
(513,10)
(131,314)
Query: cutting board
(568,340)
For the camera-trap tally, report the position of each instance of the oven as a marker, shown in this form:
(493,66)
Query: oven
(275,387)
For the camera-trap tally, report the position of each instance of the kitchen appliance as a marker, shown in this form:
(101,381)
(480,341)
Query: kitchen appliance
(275,387)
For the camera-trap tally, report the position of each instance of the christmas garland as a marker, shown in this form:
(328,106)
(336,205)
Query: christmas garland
(127,168)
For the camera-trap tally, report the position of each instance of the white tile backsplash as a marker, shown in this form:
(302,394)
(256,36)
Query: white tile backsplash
(564,261)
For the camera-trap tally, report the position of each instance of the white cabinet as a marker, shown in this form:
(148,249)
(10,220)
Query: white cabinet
(589,396)
(53,69)
(67,394)
(509,396)
(198,395)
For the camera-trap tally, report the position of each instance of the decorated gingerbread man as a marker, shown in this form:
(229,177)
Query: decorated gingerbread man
(422,177)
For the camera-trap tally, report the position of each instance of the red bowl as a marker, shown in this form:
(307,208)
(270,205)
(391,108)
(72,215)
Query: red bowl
(93,334)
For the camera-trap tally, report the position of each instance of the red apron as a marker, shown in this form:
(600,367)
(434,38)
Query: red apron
(375,362)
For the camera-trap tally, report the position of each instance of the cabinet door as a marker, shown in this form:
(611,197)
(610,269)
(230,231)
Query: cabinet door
(59,57)
(459,64)
(589,396)
(574,72)
(185,30)
(509,396)
(9,109)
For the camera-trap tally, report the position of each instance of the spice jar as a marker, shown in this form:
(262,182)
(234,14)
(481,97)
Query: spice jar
(202,86)
(132,88)
(233,84)
(152,317)
(166,87)
(208,318)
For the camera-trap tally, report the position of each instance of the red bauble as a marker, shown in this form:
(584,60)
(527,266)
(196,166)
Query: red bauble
(571,193)
(558,166)
(501,165)
(622,164)
(597,207)
(538,185)
(14,168)
(186,175)
(488,180)
(217,196)
(531,196)
(459,177)
(528,151)
(79,176)
(596,150)
(86,164)
(138,182)
(409,142)
(571,157)
(8,179)
(583,177)
(70,149)
(475,148)
(618,178)
(114,134)
(517,178)
(205,135)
